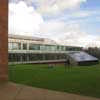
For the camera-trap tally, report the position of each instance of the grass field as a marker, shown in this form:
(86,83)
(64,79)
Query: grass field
(84,80)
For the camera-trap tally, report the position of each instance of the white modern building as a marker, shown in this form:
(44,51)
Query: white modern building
(25,49)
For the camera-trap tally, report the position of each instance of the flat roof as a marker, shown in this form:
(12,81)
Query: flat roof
(25,37)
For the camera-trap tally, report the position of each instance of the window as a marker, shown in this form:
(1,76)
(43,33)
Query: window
(24,46)
(14,46)
(34,47)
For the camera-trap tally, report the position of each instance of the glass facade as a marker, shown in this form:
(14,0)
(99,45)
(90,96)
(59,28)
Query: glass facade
(24,46)
(17,46)
(34,47)
(14,46)
(48,47)
(25,57)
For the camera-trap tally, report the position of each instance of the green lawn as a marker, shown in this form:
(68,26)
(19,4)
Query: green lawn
(84,80)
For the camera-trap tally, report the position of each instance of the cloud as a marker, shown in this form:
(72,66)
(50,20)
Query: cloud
(98,38)
(82,14)
(23,19)
(52,27)
(54,6)
(97,18)
(66,33)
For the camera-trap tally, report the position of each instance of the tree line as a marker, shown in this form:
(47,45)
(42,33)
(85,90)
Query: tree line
(94,51)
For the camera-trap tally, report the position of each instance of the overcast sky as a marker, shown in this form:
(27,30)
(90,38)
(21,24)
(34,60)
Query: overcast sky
(69,22)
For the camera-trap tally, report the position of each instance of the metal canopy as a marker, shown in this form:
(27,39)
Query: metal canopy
(82,56)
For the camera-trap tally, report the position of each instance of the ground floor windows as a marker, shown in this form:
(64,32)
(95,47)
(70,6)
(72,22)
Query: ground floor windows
(25,57)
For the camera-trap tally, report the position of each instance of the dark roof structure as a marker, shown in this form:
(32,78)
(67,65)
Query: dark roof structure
(83,58)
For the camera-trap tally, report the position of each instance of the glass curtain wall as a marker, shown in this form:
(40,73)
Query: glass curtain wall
(14,46)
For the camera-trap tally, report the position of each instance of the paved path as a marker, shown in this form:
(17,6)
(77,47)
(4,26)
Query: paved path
(11,91)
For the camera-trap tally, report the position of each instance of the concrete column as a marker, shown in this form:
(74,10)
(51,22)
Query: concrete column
(3,40)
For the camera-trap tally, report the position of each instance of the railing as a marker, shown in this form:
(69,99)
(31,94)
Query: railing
(38,51)
(39,62)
